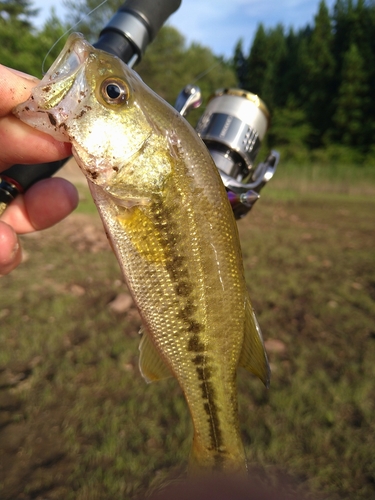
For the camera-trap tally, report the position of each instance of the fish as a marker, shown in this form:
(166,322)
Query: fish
(166,213)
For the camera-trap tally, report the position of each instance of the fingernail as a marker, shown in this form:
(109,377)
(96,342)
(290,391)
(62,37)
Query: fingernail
(15,250)
(12,261)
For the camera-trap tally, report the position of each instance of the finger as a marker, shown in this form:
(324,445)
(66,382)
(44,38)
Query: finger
(15,87)
(60,199)
(43,205)
(20,143)
(10,250)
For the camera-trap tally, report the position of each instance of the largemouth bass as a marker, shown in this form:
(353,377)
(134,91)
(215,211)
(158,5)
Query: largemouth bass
(167,215)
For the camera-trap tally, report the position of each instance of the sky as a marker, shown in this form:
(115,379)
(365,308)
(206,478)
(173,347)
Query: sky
(219,24)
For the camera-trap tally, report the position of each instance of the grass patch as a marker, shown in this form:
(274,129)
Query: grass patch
(292,179)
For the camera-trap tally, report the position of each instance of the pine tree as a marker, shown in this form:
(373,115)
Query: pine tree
(326,70)
(240,65)
(257,62)
(354,25)
(265,65)
(277,57)
(290,74)
(319,75)
(352,100)
(17,35)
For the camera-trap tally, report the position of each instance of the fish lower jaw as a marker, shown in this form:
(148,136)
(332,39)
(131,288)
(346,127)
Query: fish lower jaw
(42,120)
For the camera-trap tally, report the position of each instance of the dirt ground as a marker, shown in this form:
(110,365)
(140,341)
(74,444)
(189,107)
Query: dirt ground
(36,462)
(33,454)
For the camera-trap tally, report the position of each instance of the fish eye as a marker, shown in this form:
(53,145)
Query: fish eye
(114,91)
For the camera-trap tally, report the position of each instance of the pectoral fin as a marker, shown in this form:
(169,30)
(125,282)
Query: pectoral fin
(151,365)
(253,356)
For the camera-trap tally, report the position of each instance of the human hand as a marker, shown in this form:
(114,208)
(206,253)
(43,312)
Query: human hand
(46,202)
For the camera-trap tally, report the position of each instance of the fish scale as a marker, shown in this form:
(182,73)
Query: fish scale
(166,213)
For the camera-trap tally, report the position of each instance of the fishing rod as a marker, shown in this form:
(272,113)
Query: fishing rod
(232,126)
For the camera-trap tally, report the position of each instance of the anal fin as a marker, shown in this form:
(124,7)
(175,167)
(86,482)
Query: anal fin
(151,365)
(253,356)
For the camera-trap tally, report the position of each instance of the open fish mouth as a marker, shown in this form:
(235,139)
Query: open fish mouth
(67,70)
(73,54)
(61,89)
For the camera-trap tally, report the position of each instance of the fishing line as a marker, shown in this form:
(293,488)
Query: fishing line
(204,73)
(69,30)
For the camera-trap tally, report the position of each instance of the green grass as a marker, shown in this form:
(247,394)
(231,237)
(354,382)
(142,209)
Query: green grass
(77,420)
(335,179)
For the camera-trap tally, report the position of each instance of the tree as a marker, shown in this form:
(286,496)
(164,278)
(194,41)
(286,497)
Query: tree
(240,65)
(354,24)
(289,83)
(50,41)
(161,66)
(168,66)
(352,100)
(290,132)
(265,64)
(324,74)
(18,12)
(17,35)
(89,18)
(320,69)
(257,62)
(209,72)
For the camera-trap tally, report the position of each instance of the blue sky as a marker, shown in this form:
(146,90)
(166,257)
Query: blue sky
(219,24)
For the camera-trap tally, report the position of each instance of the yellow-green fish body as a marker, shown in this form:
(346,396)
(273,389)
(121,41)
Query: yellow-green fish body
(166,212)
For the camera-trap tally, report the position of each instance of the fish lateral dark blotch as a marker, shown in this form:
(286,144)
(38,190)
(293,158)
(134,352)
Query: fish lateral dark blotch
(176,272)
(211,410)
(199,359)
(194,326)
(184,288)
(195,344)
(219,461)
(204,372)
(178,261)
(186,312)
(208,391)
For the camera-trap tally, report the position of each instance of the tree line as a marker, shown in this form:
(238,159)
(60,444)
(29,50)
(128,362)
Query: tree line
(318,82)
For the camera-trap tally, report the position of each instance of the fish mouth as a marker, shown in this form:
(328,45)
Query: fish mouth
(61,89)
(65,71)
